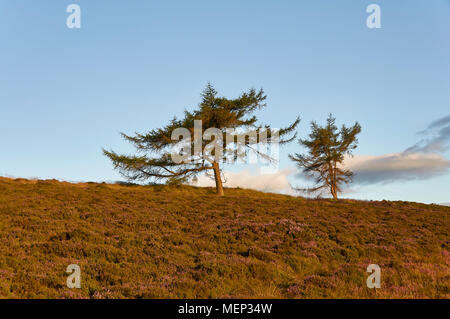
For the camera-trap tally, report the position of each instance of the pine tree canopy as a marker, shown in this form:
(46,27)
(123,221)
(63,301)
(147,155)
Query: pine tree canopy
(202,147)
(326,150)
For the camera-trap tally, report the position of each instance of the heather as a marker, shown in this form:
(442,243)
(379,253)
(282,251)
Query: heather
(184,242)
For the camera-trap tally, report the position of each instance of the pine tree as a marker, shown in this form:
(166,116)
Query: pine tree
(159,150)
(327,148)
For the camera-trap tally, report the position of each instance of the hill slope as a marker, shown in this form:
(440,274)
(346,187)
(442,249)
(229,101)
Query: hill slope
(159,242)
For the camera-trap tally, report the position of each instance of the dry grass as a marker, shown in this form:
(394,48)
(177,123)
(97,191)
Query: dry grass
(163,242)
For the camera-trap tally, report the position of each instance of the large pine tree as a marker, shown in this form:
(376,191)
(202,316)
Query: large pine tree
(326,150)
(219,116)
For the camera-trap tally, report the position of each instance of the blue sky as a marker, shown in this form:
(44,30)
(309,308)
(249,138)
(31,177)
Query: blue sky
(65,93)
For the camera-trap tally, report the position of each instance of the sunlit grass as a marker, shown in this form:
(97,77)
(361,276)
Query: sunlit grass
(166,242)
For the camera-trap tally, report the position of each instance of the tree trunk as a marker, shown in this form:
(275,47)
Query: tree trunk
(333,190)
(218,178)
(333,180)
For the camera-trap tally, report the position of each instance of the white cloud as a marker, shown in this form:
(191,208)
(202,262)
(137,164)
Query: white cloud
(274,182)
(436,138)
(396,167)
(423,160)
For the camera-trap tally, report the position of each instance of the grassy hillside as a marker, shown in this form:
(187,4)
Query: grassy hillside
(159,242)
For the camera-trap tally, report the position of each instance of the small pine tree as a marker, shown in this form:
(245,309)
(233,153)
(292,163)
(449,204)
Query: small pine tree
(327,148)
(155,160)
